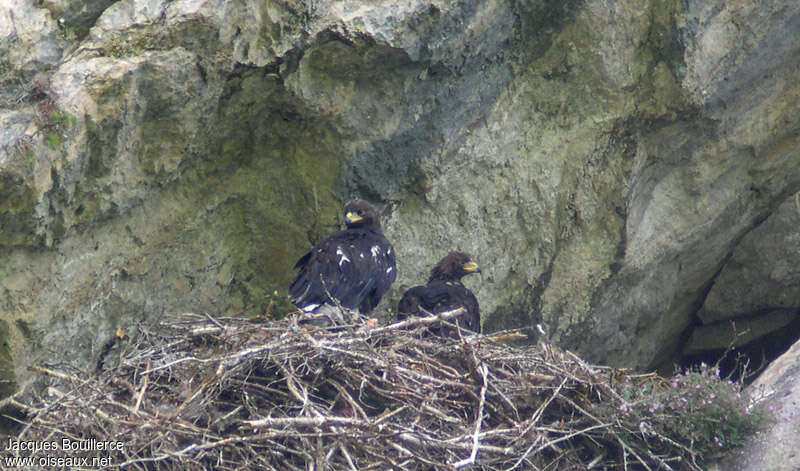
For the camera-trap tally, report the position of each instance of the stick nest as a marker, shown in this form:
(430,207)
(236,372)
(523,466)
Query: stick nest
(194,393)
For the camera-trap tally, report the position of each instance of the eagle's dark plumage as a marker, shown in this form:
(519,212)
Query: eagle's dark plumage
(444,292)
(355,266)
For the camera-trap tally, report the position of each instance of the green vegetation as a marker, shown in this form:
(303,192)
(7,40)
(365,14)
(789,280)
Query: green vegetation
(71,33)
(128,45)
(116,48)
(51,122)
(706,414)
(63,118)
(52,140)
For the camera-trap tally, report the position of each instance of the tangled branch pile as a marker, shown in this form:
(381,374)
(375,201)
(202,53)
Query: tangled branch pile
(200,393)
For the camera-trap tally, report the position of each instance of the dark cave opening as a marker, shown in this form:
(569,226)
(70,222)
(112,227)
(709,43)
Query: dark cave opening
(744,363)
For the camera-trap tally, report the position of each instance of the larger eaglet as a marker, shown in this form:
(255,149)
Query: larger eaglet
(355,266)
(444,292)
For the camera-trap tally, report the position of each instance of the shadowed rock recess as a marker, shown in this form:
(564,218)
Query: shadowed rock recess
(623,171)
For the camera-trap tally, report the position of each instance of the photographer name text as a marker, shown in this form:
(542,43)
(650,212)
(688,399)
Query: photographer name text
(65,444)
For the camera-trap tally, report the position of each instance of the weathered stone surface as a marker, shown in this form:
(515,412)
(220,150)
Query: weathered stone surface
(703,182)
(777,389)
(169,183)
(28,37)
(756,295)
(763,273)
(603,161)
(29,45)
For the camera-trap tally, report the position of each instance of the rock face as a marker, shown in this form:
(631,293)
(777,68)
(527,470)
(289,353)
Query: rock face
(620,170)
(755,295)
(774,449)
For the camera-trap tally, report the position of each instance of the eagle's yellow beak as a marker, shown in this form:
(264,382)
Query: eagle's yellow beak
(471,266)
(350,217)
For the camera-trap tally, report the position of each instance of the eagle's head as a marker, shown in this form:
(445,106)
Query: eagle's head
(453,267)
(360,214)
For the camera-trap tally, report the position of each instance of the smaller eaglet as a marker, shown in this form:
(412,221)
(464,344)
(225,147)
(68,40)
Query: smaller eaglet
(355,266)
(444,292)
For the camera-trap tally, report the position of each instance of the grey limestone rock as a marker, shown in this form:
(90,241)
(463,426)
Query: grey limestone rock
(604,161)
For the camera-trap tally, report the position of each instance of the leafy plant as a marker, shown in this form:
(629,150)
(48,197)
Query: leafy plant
(705,413)
(51,122)
(52,140)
